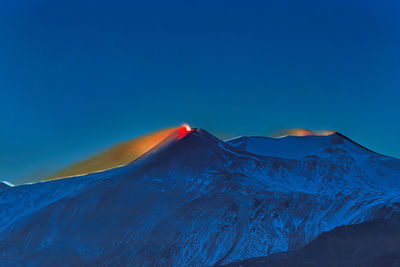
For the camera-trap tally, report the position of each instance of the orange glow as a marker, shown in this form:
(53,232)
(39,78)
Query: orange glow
(121,154)
(306,132)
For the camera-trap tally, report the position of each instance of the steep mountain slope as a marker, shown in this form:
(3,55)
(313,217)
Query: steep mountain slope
(196,200)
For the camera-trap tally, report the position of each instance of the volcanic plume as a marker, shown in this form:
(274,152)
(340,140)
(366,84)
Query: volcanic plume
(306,132)
(122,154)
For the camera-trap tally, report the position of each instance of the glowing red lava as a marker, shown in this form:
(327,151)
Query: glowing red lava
(183,131)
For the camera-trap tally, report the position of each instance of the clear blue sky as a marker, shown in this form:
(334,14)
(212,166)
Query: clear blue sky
(78,76)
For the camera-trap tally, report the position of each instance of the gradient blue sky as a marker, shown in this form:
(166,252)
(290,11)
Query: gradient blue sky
(78,76)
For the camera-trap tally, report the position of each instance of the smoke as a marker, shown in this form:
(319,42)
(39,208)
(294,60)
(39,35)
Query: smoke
(303,132)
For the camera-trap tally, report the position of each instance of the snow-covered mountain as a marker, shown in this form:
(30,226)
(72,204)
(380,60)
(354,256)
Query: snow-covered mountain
(194,200)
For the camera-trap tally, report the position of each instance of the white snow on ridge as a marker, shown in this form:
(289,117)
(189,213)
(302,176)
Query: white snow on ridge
(295,147)
(6,183)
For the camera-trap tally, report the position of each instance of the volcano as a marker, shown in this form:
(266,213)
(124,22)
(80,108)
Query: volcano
(191,199)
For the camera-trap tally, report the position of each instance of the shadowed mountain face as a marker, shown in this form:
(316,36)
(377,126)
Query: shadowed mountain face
(4,185)
(119,155)
(195,200)
(372,243)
